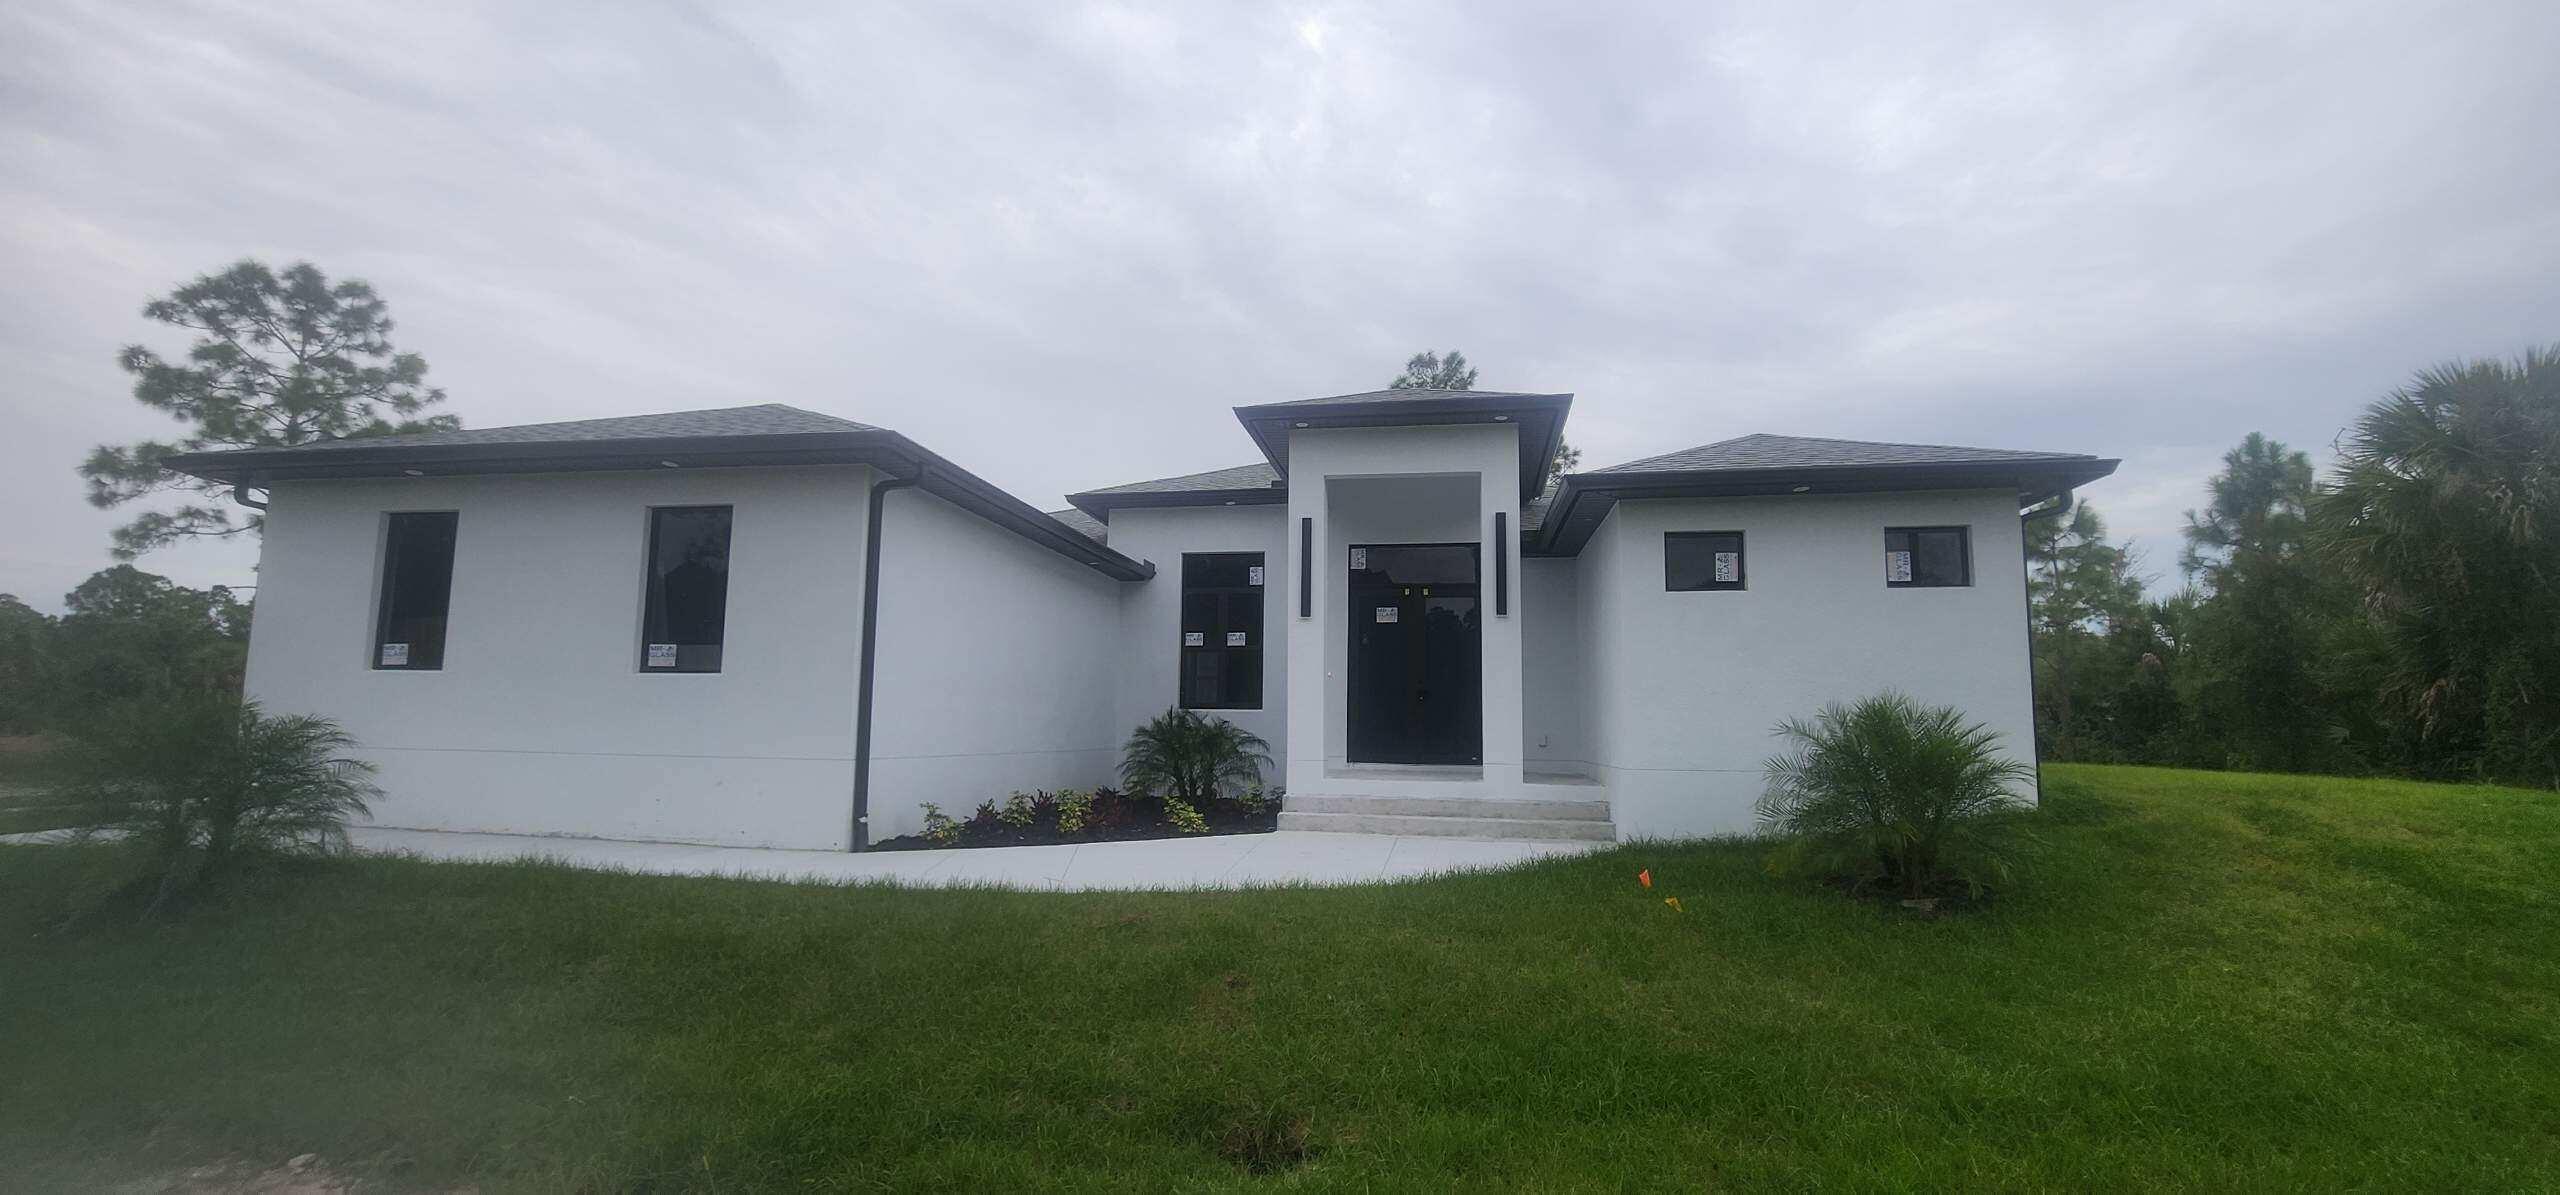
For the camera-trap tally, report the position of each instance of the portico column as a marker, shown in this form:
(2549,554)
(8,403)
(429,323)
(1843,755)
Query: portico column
(1315,691)
(1500,491)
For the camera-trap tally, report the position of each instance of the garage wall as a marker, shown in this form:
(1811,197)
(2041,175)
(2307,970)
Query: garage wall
(542,721)
(1687,685)
(998,658)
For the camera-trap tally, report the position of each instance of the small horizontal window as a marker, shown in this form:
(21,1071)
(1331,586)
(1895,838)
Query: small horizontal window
(686,617)
(1927,557)
(1694,560)
(417,590)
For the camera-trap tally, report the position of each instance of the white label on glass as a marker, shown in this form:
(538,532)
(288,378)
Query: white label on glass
(662,655)
(1195,638)
(1897,566)
(1359,559)
(1253,574)
(1235,638)
(1386,614)
(1728,566)
(395,655)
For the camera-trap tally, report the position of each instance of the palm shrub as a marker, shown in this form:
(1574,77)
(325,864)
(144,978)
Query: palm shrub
(1893,794)
(200,783)
(1185,756)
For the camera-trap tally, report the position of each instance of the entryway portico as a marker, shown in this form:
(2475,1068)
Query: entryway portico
(1405,632)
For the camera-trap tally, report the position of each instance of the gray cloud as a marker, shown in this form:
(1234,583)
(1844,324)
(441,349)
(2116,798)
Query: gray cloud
(1056,242)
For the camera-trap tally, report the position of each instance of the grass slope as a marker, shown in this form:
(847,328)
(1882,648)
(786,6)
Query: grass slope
(2220,980)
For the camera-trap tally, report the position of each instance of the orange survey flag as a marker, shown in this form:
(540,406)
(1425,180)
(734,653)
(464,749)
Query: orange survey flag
(1674,902)
(1645,877)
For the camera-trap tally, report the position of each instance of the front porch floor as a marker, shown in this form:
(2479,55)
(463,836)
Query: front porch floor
(1284,857)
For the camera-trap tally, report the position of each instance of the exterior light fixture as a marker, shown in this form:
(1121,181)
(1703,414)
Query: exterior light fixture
(1803,488)
(1297,425)
(668,464)
(415,472)
(1502,419)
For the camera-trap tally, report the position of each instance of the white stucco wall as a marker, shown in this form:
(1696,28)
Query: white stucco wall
(1554,693)
(1150,635)
(1485,456)
(1686,686)
(997,658)
(541,721)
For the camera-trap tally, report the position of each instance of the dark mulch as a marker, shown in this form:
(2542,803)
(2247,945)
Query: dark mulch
(1115,817)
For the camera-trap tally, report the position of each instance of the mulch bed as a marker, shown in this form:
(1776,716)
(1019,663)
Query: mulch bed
(1114,817)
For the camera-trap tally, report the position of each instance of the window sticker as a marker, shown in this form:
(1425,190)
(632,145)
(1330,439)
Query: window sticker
(1235,638)
(1386,614)
(1253,575)
(1195,639)
(1897,566)
(1359,559)
(1728,566)
(395,655)
(662,655)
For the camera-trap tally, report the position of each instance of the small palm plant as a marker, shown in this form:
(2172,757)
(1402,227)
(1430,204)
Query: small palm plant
(1889,793)
(1184,756)
(197,784)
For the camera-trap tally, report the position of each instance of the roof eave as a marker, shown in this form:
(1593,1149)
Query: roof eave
(879,447)
(1270,423)
(1100,505)
(1566,527)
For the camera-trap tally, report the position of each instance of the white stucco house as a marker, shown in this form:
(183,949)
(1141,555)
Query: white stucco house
(767,626)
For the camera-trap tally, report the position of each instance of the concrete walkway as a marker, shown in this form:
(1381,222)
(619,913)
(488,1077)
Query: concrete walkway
(1215,861)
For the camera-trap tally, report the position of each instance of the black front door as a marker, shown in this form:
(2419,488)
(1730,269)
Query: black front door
(1417,655)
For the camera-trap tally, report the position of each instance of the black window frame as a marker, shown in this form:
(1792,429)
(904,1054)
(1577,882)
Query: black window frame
(696,661)
(1964,556)
(387,603)
(1213,638)
(1741,562)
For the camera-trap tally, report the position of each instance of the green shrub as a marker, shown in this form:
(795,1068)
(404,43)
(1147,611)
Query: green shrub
(1019,811)
(1183,755)
(197,784)
(1892,794)
(1179,814)
(1074,806)
(938,825)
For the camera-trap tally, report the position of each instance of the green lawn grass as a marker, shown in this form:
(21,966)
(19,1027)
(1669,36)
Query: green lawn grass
(2226,981)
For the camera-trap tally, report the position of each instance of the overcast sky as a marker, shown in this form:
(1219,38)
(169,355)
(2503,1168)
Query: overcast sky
(1056,242)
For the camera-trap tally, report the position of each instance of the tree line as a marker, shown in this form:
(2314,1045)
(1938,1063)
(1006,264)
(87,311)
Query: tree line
(2399,616)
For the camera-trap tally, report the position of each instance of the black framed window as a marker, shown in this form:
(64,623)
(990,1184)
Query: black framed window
(1927,557)
(1222,630)
(1694,560)
(686,614)
(417,590)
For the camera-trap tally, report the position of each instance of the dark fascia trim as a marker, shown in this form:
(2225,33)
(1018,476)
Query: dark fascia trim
(1540,417)
(881,448)
(1583,500)
(1101,504)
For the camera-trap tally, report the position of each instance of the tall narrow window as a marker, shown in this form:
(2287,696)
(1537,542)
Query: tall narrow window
(1927,557)
(1694,560)
(417,590)
(687,611)
(1222,630)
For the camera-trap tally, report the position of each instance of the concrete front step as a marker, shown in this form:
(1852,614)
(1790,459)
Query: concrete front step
(1513,828)
(1570,811)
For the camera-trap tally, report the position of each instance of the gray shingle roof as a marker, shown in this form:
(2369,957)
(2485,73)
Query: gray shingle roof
(1809,452)
(1256,476)
(1406,394)
(1083,524)
(763,419)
